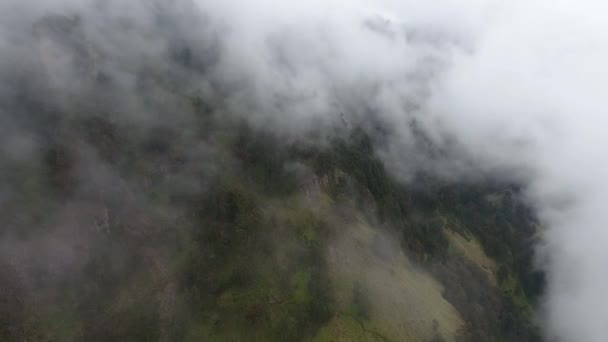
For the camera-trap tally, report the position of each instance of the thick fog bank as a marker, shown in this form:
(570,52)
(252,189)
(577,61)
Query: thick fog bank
(458,88)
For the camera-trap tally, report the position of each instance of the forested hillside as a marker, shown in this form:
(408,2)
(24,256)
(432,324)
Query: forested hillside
(196,225)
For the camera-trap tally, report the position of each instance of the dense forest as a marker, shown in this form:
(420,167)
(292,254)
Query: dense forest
(205,227)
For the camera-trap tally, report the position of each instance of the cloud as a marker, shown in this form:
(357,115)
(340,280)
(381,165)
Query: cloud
(519,86)
(511,88)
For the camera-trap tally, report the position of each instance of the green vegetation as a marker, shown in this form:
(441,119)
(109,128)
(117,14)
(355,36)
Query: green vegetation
(220,232)
(505,229)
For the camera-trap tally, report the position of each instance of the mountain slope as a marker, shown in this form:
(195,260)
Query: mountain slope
(166,215)
(287,242)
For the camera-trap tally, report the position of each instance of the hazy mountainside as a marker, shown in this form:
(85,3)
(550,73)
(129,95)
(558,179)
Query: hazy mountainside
(196,226)
(280,242)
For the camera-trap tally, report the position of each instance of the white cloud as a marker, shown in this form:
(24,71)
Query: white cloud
(520,84)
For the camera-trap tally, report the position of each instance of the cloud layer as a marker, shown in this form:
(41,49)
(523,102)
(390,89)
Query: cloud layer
(509,88)
(518,86)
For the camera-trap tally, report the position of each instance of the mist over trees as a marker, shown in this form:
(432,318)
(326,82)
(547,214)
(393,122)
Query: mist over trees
(200,170)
